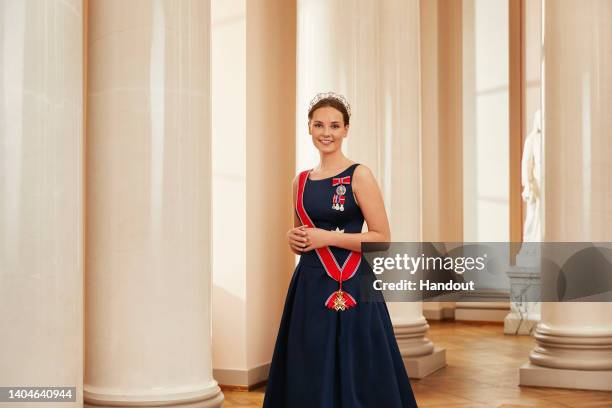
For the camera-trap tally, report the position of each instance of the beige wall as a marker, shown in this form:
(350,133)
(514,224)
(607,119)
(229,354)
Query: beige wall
(485,120)
(532,58)
(228,65)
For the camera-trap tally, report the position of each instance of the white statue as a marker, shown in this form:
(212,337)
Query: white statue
(524,277)
(531,179)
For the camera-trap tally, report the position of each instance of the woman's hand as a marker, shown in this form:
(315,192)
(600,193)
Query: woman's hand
(317,238)
(297,238)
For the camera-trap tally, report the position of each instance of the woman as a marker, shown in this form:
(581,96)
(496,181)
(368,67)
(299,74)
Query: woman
(332,350)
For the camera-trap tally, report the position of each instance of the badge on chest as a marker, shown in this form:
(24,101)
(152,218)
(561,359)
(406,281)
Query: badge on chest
(339,198)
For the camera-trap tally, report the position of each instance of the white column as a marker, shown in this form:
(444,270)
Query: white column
(253,86)
(41,195)
(574,340)
(326,61)
(373,58)
(398,162)
(148,286)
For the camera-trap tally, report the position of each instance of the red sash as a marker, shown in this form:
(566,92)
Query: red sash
(339,300)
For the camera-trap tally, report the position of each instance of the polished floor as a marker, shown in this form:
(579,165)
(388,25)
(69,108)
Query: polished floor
(482,371)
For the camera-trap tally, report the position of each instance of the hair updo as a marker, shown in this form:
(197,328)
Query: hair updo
(332,103)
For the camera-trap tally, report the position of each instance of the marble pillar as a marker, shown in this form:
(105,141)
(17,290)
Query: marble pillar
(148,226)
(574,340)
(41,196)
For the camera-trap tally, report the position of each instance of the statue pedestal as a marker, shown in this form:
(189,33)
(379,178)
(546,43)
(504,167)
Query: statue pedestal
(525,289)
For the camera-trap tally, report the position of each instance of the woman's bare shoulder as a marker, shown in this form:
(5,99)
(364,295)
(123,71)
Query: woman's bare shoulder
(363,174)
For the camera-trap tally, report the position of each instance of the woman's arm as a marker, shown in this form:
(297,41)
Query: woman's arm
(370,200)
(297,235)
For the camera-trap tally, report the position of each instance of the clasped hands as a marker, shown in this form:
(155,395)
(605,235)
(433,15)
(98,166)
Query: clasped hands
(304,239)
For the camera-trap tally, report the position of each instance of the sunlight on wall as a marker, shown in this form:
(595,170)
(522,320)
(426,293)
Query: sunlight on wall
(485,118)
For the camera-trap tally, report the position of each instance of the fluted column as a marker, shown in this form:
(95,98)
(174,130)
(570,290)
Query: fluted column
(373,58)
(325,62)
(41,195)
(574,340)
(253,85)
(148,286)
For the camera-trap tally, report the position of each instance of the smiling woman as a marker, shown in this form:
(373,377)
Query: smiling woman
(328,122)
(327,337)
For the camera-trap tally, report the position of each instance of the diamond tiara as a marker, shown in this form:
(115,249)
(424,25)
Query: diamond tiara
(330,95)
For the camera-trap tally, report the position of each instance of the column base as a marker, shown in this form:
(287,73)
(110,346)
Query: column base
(444,313)
(514,324)
(537,376)
(421,367)
(204,398)
(243,379)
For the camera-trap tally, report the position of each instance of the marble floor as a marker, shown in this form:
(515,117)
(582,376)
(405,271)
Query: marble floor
(482,371)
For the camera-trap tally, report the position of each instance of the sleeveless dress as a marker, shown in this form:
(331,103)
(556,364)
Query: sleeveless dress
(327,357)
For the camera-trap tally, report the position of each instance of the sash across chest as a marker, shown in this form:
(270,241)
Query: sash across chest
(338,300)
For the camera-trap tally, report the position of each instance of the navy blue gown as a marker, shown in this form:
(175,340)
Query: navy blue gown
(325,358)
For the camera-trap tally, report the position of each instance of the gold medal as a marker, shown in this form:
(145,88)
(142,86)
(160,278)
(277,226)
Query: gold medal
(339,302)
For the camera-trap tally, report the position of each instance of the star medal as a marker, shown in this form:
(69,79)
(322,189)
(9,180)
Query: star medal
(339,302)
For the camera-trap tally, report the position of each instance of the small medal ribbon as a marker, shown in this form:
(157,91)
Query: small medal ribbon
(341,180)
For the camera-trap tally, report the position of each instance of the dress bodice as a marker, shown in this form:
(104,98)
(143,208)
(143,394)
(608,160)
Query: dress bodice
(319,204)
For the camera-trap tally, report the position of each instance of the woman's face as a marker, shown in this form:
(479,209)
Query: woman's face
(327,129)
